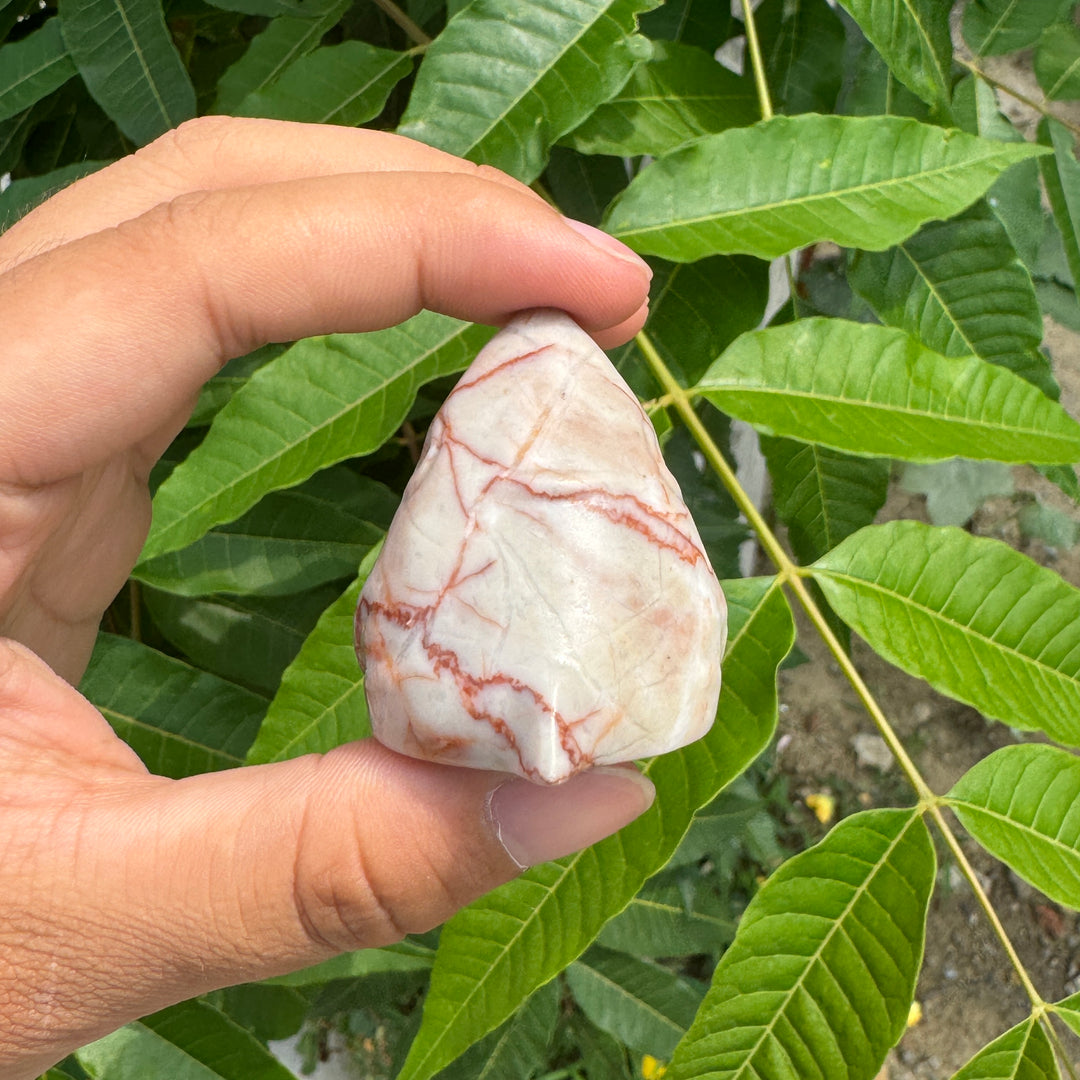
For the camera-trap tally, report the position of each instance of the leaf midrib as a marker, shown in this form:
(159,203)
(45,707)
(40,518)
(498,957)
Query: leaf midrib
(628,995)
(808,201)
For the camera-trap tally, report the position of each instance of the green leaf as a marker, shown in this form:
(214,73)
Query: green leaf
(822,495)
(271,53)
(974,618)
(679,94)
(959,288)
(247,639)
(804,54)
(404,956)
(189,1041)
(660,922)
(695,22)
(785,183)
(1057,62)
(1020,803)
(345,84)
(994,27)
(913,37)
(320,703)
(1022,1053)
(179,720)
(127,59)
(821,975)
(289,541)
(505,80)
(33,68)
(875,391)
(1069,1011)
(498,950)
(1061,175)
(584,186)
(516,1049)
(324,400)
(21,196)
(642,1004)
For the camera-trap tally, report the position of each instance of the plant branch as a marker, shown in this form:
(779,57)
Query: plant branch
(397,15)
(1040,107)
(793,576)
(754,46)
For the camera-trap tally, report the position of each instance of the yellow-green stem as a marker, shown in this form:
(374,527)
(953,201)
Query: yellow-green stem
(754,48)
(792,575)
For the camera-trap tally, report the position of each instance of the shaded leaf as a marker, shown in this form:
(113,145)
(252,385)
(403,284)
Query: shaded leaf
(804,54)
(959,287)
(660,922)
(823,495)
(994,27)
(695,22)
(913,37)
(955,489)
(345,84)
(495,952)
(584,186)
(516,1049)
(821,975)
(1022,1053)
(977,620)
(404,956)
(179,720)
(271,52)
(248,639)
(127,59)
(642,1004)
(189,1041)
(681,93)
(1057,62)
(32,68)
(289,541)
(1020,803)
(505,80)
(324,400)
(1061,175)
(21,196)
(866,182)
(875,391)
(320,703)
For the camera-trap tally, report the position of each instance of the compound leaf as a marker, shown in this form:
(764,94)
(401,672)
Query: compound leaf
(821,974)
(974,618)
(1022,1053)
(498,950)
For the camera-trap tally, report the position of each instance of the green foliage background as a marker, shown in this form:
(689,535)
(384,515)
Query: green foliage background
(856,125)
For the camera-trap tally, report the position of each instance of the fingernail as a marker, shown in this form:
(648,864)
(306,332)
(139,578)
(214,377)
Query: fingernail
(608,244)
(537,823)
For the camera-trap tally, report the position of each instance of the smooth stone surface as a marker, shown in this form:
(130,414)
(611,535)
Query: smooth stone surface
(543,601)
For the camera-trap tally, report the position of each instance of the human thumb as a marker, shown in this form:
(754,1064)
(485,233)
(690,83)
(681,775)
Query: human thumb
(124,892)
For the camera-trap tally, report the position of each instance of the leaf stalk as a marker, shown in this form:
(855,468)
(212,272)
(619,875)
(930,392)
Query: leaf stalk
(756,61)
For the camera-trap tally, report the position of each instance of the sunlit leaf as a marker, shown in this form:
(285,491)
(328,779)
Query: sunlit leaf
(913,37)
(324,400)
(1022,1053)
(821,975)
(345,84)
(127,59)
(320,703)
(1021,804)
(866,182)
(874,390)
(496,952)
(404,956)
(679,94)
(505,80)
(32,68)
(178,719)
(976,619)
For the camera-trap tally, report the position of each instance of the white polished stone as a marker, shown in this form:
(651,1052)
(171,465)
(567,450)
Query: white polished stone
(543,601)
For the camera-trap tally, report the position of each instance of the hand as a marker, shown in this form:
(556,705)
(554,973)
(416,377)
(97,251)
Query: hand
(121,891)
